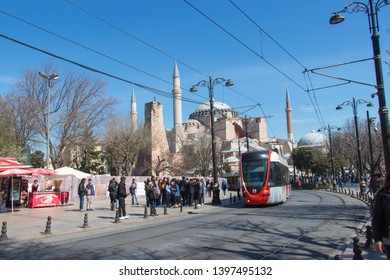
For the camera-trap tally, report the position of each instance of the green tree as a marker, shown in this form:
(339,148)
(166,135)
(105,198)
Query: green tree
(37,159)
(303,159)
(321,164)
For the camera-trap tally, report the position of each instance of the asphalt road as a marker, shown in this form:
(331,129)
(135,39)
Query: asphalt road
(309,225)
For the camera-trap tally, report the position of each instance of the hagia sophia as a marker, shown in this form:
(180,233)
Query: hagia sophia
(230,128)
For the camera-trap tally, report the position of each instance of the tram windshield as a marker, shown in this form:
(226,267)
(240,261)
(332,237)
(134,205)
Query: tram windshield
(254,173)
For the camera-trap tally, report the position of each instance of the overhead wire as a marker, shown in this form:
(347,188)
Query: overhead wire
(266,33)
(82,46)
(169,95)
(89,49)
(141,41)
(150,89)
(250,49)
(133,36)
(314,104)
(245,45)
(105,55)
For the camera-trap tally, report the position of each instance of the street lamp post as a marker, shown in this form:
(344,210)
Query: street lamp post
(370,122)
(210,84)
(354,104)
(372,11)
(329,128)
(246,120)
(50,78)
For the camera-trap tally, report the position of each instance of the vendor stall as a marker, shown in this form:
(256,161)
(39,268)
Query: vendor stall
(47,199)
(14,186)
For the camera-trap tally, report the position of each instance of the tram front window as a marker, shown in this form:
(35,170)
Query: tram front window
(254,175)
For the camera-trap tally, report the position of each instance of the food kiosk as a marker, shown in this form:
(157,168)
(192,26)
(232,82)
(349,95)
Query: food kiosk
(44,199)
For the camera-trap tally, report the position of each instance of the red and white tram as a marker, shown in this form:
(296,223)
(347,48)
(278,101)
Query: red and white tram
(265,178)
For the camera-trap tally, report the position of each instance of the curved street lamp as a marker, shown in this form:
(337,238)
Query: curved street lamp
(354,104)
(50,78)
(329,128)
(372,9)
(210,85)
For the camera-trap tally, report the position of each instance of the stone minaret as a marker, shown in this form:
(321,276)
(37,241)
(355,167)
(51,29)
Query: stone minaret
(177,112)
(133,113)
(290,136)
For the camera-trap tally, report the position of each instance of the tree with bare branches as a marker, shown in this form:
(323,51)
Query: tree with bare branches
(198,156)
(9,146)
(122,146)
(78,105)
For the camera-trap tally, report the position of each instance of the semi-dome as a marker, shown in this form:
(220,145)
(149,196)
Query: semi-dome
(313,139)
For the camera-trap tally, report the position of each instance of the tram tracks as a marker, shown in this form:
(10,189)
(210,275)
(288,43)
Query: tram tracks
(221,223)
(289,241)
(127,237)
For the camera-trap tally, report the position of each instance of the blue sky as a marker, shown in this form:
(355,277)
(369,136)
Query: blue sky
(260,68)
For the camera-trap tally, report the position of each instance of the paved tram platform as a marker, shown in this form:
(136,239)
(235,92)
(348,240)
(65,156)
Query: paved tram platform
(25,224)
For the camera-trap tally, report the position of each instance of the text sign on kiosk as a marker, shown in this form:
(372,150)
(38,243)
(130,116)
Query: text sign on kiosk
(44,199)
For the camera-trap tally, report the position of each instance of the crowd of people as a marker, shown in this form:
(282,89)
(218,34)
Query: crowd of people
(170,192)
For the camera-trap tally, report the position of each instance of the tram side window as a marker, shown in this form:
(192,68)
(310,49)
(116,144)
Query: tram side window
(277,175)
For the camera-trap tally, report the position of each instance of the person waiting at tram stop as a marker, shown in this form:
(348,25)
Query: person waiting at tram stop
(82,191)
(133,192)
(112,190)
(90,194)
(121,195)
(381,218)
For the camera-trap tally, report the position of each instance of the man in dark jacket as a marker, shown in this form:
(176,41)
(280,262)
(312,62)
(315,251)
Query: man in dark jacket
(121,196)
(82,191)
(381,218)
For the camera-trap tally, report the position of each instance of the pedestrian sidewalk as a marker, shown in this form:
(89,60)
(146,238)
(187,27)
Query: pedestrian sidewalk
(27,224)
(367,250)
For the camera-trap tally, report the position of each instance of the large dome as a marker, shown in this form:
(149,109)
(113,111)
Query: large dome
(217,105)
(313,139)
(219,109)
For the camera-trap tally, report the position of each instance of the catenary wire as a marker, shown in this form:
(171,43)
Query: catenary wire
(245,45)
(314,104)
(266,33)
(150,89)
(143,42)
(134,37)
(109,57)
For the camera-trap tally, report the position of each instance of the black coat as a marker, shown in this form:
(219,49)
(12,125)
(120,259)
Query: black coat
(121,191)
(381,214)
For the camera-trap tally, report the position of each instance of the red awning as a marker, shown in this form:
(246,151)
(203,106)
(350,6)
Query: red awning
(16,172)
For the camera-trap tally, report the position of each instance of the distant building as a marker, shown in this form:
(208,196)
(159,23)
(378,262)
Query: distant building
(229,127)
